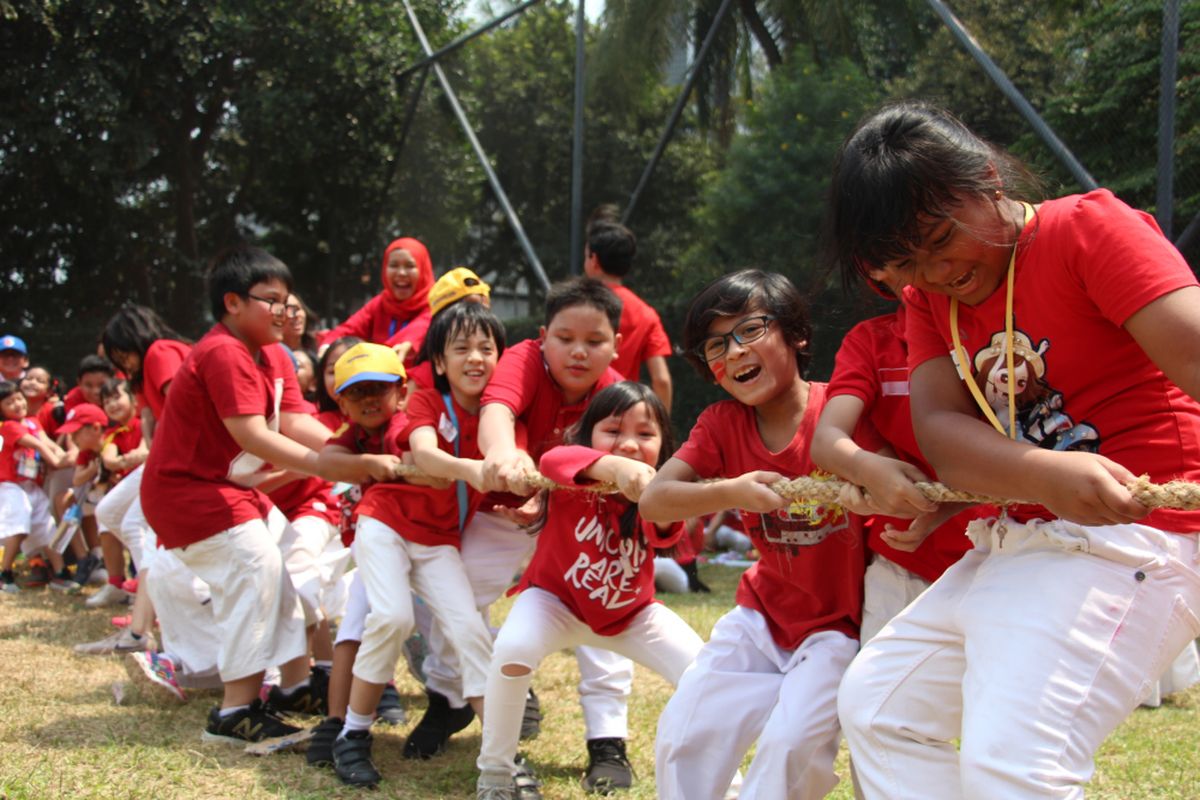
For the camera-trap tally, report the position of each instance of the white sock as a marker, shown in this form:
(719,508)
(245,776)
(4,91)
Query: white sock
(291,690)
(356,722)
(225,712)
(325,665)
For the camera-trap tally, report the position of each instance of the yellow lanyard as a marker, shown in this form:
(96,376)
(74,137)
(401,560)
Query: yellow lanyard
(964,364)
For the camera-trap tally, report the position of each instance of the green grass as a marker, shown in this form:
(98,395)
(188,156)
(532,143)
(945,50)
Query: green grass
(63,736)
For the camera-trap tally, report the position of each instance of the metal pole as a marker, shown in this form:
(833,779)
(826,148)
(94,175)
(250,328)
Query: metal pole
(466,37)
(1165,199)
(1013,94)
(501,197)
(1191,232)
(576,255)
(677,111)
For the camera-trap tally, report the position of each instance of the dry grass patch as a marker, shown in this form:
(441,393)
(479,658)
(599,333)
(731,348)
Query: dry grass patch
(62,735)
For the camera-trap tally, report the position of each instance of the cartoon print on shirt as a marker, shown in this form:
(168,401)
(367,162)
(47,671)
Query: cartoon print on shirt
(802,524)
(1041,418)
(608,563)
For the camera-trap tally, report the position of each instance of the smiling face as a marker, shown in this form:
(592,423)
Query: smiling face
(966,255)
(36,384)
(119,407)
(90,384)
(14,406)
(370,404)
(401,274)
(578,344)
(634,434)
(294,327)
(12,364)
(468,363)
(756,372)
(251,317)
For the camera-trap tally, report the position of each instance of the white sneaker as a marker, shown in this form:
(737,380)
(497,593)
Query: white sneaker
(120,642)
(108,596)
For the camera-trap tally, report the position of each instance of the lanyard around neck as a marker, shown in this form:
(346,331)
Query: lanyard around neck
(964,363)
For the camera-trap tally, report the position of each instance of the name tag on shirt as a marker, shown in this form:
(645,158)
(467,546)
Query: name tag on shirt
(446,429)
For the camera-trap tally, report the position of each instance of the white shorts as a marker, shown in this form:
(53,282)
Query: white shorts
(354,621)
(255,607)
(888,588)
(24,508)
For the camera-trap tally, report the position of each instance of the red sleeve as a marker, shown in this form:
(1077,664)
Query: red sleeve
(702,450)
(515,381)
(564,464)
(854,371)
(358,324)
(1123,260)
(924,340)
(159,368)
(84,457)
(347,438)
(661,539)
(232,381)
(45,418)
(293,401)
(413,332)
(657,343)
(11,432)
(424,409)
(395,438)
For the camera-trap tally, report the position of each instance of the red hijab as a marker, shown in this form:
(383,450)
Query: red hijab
(418,301)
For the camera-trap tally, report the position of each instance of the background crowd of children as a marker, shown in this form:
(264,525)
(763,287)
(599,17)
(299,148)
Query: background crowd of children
(289,512)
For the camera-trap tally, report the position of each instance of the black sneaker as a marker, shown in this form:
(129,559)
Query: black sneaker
(608,768)
(390,710)
(85,567)
(691,569)
(253,724)
(309,700)
(440,722)
(531,722)
(8,582)
(320,746)
(352,759)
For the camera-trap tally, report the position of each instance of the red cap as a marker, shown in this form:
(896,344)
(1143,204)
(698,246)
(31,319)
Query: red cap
(83,414)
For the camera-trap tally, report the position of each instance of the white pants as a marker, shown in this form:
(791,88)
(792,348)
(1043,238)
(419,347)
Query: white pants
(184,607)
(305,560)
(1183,673)
(493,549)
(120,513)
(1030,651)
(392,568)
(744,687)
(300,563)
(669,576)
(24,508)
(888,589)
(116,501)
(354,621)
(539,624)
(255,607)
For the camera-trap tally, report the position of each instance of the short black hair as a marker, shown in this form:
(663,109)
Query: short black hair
(93,363)
(8,389)
(458,319)
(325,402)
(614,246)
(735,294)
(583,292)
(905,164)
(113,387)
(238,268)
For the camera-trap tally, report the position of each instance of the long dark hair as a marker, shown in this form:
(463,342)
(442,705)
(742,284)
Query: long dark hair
(907,164)
(132,330)
(614,401)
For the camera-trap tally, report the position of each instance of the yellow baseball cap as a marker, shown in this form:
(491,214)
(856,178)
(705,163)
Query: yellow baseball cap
(456,284)
(367,362)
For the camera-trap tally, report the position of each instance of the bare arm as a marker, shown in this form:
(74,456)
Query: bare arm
(339,464)
(660,379)
(251,433)
(674,494)
(432,460)
(304,428)
(51,453)
(504,464)
(969,454)
(1168,331)
(888,481)
(120,462)
(631,477)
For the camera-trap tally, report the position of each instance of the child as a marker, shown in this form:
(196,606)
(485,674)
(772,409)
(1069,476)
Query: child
(545,385)
(608,257)
(234,407)
(1036,645)
(870,381)
(592,576)
(14,358)
(399,315)
(24,508)
(459,284)
(770,669)
(39,388)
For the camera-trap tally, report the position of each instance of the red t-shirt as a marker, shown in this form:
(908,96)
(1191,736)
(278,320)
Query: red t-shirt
(197,481)
(421,375)
(581,557)
(642,334)
(373,323)
(309,496)
(522,382)
(809,576)
(872,365)
(162,360)
(45,415)
(126,437)
(1085,265)
(423,514)
(18,464)
(354,438)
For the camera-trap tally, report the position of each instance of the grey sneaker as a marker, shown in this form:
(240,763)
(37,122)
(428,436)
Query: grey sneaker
(123,641)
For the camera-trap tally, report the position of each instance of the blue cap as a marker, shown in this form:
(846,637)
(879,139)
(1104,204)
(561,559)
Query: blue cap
(10,342)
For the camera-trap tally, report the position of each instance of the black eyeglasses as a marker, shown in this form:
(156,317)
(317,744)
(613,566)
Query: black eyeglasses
(277,307)
(365,389)
(751,329)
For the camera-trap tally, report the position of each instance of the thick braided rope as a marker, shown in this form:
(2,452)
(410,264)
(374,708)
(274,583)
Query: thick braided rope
(1175,494)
